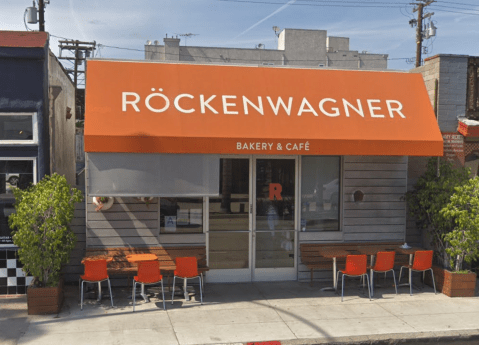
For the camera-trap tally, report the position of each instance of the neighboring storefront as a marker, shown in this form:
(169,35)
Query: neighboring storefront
(36,134)
(251,161)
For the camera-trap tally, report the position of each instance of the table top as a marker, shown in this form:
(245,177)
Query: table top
(94,258)
(342,252)
(141,257)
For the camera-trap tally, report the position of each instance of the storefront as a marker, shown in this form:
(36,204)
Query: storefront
(251,161)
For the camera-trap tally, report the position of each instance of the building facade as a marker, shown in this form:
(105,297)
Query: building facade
(296,47)
(37,131)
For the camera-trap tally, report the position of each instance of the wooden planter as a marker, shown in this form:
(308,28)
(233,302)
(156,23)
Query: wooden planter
(45,300)
(453,284)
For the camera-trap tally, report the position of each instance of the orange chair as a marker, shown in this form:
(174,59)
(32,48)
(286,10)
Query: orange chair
(356,266)
(148,274)
(384,263)
(422,263)
(187,268)
(95,272)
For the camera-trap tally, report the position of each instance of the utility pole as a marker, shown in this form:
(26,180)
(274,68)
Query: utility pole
(419,34)
(81,51)
(41,15)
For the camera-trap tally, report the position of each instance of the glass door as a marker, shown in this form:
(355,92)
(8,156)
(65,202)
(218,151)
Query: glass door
(274,219)
(229,233)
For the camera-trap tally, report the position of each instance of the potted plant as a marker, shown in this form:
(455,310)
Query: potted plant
(103,202)
(431,194)
(44,239)
(462,243)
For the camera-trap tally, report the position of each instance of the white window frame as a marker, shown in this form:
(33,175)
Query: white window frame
(34,140)
(34,159)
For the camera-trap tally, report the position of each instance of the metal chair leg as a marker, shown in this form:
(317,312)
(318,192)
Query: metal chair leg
(134,294)
(81,297)
(201,290)
(395,285)
(433,282)
(173,291)
(163,293)
(342,287)
(400,274)
(111,295)
(410,281)
(372,283)
(369,288)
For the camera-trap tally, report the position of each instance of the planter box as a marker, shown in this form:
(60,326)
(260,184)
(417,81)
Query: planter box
(45,300)
(453,284)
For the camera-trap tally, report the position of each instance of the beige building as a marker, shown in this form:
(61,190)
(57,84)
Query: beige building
(296,47)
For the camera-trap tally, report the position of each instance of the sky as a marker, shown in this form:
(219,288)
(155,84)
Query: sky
(376,26)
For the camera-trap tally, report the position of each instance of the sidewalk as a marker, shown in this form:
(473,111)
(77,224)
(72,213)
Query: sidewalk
(289,312)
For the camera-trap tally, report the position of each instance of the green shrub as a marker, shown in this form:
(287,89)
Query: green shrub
(41,227)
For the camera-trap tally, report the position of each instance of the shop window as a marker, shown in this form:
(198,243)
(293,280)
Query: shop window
(14,173)
(18,128)
(181,215)
(320,197)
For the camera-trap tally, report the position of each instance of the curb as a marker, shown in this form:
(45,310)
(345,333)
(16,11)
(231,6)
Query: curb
(465,337)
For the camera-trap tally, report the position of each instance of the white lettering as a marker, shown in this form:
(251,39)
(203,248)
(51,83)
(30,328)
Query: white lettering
(264,146)
(372,108)
(302,110)
(391,109)
(205,104)
(124,101)
(226,105)
(280,102)
(306,146)
(155,110)
(258,108)
(321,107)
(270,146)
(288,146)
(359,109)
(238,146)
(177,105)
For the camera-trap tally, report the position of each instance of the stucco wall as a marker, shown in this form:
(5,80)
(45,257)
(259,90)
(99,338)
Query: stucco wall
(62,130)
(296,47)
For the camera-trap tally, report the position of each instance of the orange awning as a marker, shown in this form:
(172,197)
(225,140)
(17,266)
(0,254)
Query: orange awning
(189,108)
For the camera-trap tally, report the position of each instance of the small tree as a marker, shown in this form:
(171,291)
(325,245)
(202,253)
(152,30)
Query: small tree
(41,227)
(430,195)
(463,210)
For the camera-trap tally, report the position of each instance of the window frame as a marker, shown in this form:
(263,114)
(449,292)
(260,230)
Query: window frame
(12,198)
(34,140)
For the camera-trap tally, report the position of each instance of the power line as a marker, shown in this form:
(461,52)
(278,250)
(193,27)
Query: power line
(356,4)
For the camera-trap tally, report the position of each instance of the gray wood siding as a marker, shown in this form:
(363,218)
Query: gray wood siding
(74,268)
(129,222)
(380,217)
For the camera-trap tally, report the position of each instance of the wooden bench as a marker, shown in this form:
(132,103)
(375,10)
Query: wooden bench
(311,254)
(166,256)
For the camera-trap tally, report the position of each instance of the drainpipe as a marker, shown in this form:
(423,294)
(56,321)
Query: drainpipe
(436,87)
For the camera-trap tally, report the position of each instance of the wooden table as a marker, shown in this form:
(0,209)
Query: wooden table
(135,258)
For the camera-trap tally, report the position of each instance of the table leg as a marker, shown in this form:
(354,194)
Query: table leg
(145,297)
(335,283)
(99,292)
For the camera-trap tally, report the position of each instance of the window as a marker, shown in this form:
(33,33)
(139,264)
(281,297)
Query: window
(320,201)
(14,173)
(181,215)
(18,128)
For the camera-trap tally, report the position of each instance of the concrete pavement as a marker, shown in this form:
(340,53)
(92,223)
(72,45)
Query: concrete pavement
(289,312)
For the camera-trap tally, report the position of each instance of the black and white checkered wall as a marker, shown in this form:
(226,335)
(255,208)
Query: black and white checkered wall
(12,278)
